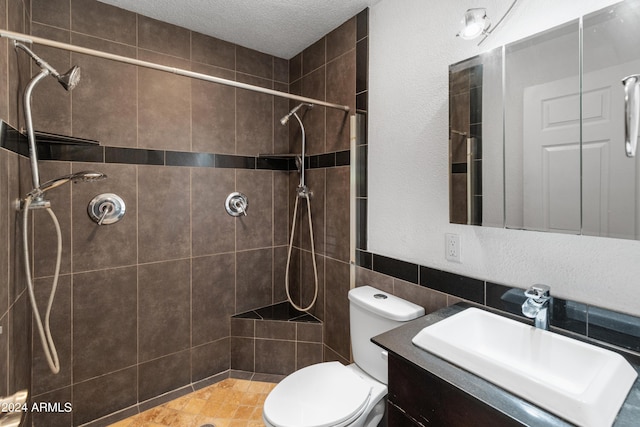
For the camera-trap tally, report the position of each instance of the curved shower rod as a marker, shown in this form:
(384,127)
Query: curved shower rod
(179,71)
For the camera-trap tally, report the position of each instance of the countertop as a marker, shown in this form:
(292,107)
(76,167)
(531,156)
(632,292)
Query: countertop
(398,341)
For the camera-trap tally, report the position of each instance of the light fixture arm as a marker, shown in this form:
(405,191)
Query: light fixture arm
(490,31)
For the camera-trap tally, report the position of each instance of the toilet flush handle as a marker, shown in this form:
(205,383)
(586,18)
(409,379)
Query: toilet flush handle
(384,355)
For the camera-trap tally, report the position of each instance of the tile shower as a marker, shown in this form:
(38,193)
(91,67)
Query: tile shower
(144,306)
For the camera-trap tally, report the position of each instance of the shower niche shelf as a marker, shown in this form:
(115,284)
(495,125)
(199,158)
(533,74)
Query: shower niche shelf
(54,138)
(278,156)
(51,146)
(284,161)
(11,137)
(282,311)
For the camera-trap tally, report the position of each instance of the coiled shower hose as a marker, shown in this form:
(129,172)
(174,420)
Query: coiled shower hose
(313,254)
(48,345)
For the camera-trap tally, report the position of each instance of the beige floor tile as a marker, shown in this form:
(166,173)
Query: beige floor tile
(257,414)
(242,385)
(258,387)
(179,403)
(194,406)
(203,419)
(251,399)
(226,411)
(218,395)
(124,423)
(211,408)
(228,383)
(244,413)
(234,397)
(229,403)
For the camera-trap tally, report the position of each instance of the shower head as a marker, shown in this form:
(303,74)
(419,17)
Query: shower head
(68,80)
(286,118)
(84,176)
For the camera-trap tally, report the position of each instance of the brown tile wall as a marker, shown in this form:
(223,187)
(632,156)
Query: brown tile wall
(326,70)
(273,346)
(15,314)
(144,306)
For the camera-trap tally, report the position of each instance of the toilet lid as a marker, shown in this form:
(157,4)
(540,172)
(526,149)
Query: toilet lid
(320,395)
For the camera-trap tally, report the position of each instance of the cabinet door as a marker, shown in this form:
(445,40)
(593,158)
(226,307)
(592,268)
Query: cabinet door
(397,418)
(428,399)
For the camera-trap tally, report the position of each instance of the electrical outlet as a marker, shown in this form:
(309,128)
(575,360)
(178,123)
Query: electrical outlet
(452,247)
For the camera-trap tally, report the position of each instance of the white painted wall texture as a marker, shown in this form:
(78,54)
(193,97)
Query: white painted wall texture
(412,43)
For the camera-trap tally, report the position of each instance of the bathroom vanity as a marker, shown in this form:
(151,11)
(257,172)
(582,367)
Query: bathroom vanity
(427,390)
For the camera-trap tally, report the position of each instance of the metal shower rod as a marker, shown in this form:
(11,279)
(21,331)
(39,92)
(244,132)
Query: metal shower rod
(179,71)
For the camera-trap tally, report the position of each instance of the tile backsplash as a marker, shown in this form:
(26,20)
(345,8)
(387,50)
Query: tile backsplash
(435,289)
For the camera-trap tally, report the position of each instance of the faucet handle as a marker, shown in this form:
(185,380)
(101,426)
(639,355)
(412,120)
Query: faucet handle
(538,292)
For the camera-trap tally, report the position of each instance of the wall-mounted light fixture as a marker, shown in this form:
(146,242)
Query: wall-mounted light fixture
(475,23)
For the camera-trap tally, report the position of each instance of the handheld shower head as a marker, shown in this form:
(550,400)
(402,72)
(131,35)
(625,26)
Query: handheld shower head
(295,109)
(68,80)
(84,176)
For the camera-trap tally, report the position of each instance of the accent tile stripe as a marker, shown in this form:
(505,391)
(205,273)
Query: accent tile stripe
(396,268)
(13,141)
(134,156)
(179,158)
(454,284)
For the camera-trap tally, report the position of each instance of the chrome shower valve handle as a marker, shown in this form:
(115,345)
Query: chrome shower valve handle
(240,206)
(107,208)
(236,204)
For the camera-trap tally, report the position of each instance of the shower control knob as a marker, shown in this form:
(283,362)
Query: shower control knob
(236,204)
(107,208)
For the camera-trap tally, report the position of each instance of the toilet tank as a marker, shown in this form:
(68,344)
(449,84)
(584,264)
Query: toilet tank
(372,312)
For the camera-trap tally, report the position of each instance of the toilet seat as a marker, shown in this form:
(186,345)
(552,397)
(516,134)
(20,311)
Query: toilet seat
(321,395)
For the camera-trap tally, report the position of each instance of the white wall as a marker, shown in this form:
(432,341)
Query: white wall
(412,43)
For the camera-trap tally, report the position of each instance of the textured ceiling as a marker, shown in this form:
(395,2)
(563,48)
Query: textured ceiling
(281,28)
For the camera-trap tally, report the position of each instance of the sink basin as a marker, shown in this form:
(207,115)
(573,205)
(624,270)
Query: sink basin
(579,382)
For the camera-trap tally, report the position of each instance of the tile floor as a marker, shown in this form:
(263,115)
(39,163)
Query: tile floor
(229,403)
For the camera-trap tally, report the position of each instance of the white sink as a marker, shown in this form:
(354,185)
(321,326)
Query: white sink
(580,382)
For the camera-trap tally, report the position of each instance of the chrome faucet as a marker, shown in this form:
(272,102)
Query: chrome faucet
(537,305)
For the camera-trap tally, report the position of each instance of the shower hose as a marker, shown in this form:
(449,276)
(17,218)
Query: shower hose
(313,254)
(45,331)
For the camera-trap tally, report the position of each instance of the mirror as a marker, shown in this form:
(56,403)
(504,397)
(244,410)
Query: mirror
(475,141)
(536,143)
(542,131)
(611,190)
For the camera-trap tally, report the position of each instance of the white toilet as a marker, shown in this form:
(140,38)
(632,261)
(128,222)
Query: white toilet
(333,395)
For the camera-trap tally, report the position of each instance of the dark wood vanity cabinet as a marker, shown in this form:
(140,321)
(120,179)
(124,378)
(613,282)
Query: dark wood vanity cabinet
(418,398)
